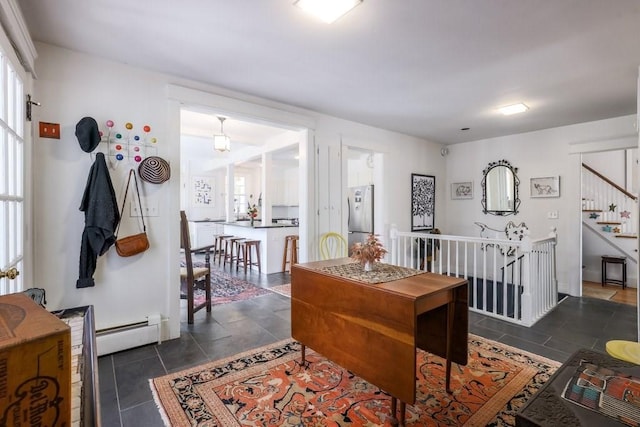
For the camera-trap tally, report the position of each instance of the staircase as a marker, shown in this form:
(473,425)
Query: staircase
(610,212)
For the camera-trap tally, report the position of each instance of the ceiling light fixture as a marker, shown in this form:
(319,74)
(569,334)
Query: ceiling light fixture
(327,10)
(513,109)
(221,142)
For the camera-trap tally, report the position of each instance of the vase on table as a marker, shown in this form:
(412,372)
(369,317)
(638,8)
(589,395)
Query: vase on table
(252,219)
(368,266)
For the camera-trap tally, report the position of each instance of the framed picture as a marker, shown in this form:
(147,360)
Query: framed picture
(423,202)
(462,190)
(202,191)
(547,186)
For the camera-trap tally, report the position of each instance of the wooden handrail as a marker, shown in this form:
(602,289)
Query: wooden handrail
(608,181)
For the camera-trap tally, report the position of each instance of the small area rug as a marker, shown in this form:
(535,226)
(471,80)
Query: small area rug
(224,289)
(267,386)
(588,291)
(282,289)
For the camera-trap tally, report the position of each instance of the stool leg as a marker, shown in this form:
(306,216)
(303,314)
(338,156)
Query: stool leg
(295,252)
(624,275)
(258,257)
(246,251)
(604,271)
(284,256)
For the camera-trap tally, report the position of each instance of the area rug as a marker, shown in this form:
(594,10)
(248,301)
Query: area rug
(267,386)
(224,289)
(282,289)
(597,293)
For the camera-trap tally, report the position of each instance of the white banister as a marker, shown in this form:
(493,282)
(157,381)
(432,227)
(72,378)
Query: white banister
(520,287)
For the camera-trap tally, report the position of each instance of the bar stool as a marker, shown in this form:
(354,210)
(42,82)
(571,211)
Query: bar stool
(230,244)
(290,249)
(609,259)
(218,241)
(244,254)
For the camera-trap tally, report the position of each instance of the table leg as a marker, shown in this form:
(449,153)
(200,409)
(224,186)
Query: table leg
(397,420)
(450,316)
(394,406)
(303,351)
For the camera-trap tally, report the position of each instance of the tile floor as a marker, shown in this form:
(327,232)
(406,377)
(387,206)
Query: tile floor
(126,399)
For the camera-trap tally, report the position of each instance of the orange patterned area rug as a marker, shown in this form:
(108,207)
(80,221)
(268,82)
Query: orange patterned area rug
(267,386)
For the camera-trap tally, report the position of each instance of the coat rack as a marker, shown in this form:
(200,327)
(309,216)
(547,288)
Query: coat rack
(128,146)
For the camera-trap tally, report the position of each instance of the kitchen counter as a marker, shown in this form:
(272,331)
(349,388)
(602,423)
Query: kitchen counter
(257,224)
(271,238)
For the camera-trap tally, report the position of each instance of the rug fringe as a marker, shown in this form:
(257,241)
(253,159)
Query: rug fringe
(156,399)
(546,360)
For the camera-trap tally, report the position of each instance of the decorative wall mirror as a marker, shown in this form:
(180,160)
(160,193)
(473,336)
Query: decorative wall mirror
(500,189)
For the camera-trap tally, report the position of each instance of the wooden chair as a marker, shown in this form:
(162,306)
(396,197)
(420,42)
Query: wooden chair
(332,245)
(428,250)
(195,277)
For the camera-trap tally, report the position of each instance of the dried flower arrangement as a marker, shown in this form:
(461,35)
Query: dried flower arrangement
(369,251)
(252,211)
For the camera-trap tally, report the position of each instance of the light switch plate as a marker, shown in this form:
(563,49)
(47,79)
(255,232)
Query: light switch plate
(49,130)
(150,208)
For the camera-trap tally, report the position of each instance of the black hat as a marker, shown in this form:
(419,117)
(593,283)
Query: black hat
(88,134)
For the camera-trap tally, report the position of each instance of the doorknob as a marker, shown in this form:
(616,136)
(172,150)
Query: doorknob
(11,273)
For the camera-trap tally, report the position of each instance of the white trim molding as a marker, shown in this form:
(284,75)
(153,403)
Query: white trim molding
(14,25)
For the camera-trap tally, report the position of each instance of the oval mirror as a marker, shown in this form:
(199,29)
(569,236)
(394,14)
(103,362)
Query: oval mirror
(500,189)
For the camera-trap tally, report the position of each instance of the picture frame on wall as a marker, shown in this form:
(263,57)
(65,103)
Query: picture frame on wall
(546,186)
(202,191)
(423,202)
(462,190)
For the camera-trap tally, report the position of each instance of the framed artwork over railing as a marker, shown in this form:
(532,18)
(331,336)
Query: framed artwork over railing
(423,202)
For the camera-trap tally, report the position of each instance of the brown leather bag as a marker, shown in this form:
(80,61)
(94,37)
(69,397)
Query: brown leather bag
(136,243)
(132,245)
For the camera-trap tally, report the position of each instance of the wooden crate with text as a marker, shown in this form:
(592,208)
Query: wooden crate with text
(35,370)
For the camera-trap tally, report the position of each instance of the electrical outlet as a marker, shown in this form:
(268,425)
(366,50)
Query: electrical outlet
(552,215)
(150,208)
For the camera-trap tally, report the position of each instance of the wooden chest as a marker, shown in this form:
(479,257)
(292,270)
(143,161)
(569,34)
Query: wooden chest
(35,371)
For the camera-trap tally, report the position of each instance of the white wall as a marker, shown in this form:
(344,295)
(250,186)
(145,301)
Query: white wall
(542,153)
(72,85)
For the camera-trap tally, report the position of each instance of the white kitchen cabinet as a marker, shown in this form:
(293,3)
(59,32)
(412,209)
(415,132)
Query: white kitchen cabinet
(202,232)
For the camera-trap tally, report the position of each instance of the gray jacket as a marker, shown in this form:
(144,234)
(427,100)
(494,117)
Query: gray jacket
(101,218)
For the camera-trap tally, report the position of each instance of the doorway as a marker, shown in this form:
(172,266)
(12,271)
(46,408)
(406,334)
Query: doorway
(609,210)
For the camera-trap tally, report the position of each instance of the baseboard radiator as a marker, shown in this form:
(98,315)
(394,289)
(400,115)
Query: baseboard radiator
(124,337)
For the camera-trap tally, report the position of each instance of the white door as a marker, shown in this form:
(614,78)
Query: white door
(12,170)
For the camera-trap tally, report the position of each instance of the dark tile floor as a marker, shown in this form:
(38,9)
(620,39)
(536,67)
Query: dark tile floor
(126,399)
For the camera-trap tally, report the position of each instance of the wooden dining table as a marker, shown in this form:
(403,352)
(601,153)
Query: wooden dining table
(371,323)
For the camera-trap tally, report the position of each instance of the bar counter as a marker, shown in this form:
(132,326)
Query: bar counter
(271,241)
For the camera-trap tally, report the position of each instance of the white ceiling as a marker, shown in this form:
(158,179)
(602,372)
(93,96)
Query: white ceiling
(421,67)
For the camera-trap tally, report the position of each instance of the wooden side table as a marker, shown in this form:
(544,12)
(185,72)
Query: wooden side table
(609,259)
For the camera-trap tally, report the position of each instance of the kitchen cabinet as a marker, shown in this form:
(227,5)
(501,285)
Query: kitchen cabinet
(286,188)
(202,232)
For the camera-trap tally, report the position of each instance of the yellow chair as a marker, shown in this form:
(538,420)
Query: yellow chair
(332,245)
(624,350)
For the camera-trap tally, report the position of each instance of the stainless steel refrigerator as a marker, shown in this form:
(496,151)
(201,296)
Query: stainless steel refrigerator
(360,213)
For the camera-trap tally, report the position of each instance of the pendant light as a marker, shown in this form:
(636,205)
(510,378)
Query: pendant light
(221,142)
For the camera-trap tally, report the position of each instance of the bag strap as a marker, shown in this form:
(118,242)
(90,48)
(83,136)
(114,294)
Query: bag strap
(124,201)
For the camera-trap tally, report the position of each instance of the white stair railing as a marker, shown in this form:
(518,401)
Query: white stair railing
(520,287)
(614,206)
